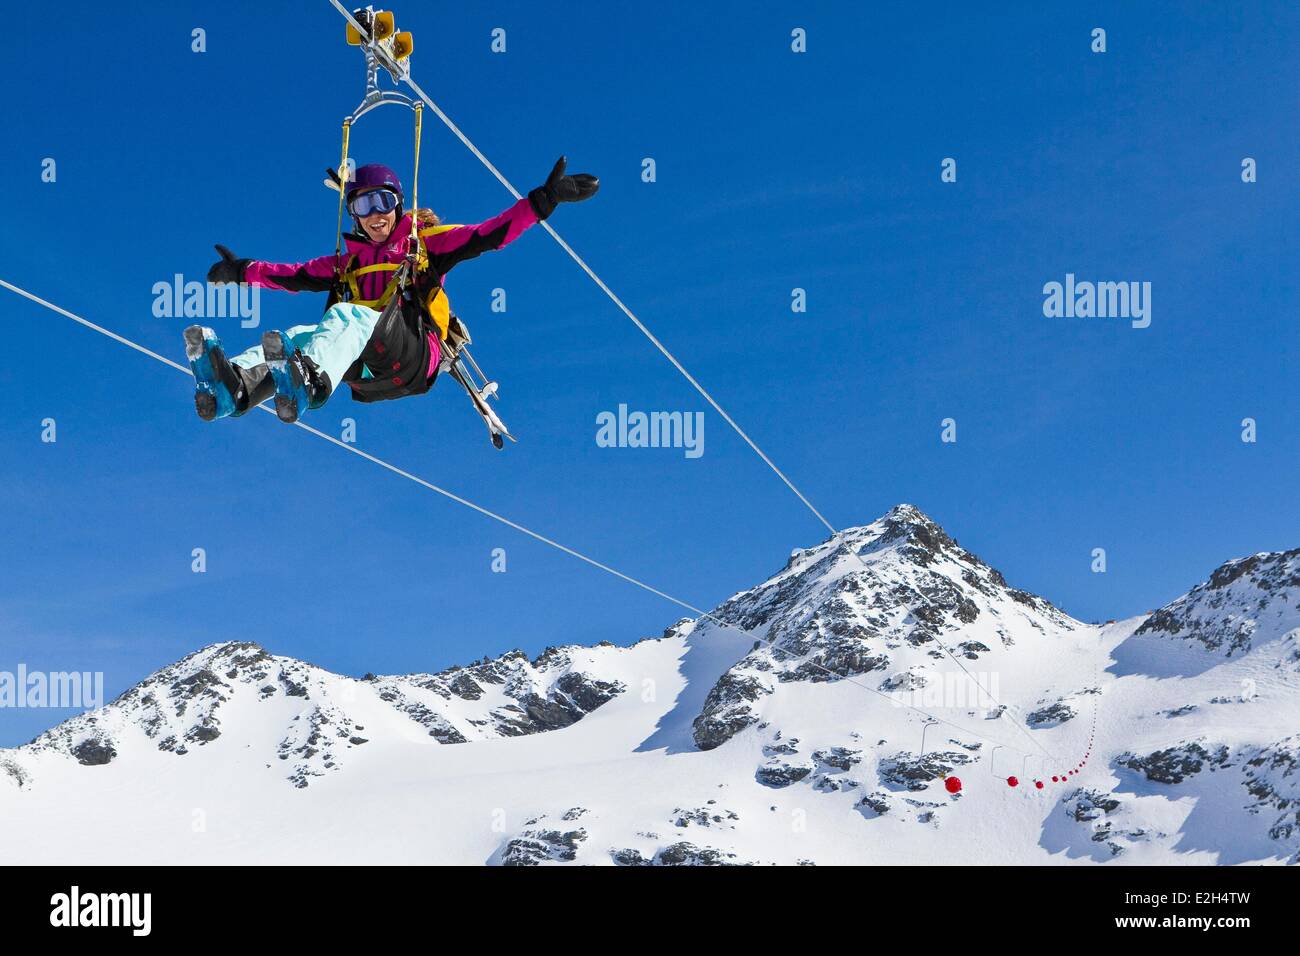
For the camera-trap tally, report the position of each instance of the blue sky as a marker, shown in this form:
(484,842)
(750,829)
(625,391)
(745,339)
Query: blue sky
(775,171)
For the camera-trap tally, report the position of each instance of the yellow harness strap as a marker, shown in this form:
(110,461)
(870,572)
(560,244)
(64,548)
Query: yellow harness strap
(437,305)
(350,277)
(434,230)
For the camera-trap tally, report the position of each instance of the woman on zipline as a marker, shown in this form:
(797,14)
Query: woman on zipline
(378,360)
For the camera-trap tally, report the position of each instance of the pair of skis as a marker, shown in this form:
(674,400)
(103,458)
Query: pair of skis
(460,365)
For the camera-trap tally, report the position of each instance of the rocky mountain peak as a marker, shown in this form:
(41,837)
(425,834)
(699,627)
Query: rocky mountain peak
(1245,603)
(907,519)
(1268,571)
(886,596)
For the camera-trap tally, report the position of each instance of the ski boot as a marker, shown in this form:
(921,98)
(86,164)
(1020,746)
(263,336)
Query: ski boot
(299,384)
(222,389)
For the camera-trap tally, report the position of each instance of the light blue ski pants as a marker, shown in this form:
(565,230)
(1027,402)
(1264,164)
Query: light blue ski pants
(334,343)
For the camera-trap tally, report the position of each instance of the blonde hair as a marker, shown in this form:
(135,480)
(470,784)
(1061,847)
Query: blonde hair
(427,217)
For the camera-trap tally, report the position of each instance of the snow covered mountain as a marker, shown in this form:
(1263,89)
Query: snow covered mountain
(880,598)
(816,718)
(1246,604)
(189,704)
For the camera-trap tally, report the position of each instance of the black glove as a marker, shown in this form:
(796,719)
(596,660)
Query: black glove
(560,188)
(227,268)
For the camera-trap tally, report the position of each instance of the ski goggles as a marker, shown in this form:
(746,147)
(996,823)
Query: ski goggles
(377,200)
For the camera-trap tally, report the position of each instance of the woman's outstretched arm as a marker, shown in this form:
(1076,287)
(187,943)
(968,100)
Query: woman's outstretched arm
(314,275)
(451,245)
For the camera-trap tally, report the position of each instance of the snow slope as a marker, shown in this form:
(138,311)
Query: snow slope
(785,727)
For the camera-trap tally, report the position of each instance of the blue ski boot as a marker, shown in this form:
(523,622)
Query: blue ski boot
(299,384)
(222,389)
(215,383)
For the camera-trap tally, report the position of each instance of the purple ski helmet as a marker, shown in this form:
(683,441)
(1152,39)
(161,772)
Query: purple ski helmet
(374,176)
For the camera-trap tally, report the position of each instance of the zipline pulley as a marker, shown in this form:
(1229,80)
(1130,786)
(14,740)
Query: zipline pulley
(383,47)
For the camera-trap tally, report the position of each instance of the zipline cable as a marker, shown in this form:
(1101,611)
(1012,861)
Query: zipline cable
(503,520)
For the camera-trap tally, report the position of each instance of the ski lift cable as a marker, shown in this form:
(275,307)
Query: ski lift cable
(654,340)
(499,518)
(582,264)
(1005,710)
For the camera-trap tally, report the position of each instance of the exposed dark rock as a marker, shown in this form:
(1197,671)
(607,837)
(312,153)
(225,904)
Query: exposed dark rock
(840,758)
(15,773)
(914,773)
(703,817)
(1273,779)
(835,663)
(1173,765)
(726,711)
(94,752)
(197,684)
(465,687)
(688,854)
(912,679)
(543,846)
(587,692)
(629,857)
(778,774)
(291,687)
(1086,806)
(876,803)
(203,733)
(1051,716)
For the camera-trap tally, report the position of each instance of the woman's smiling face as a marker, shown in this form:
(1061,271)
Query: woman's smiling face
(375,210)
(378,225)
